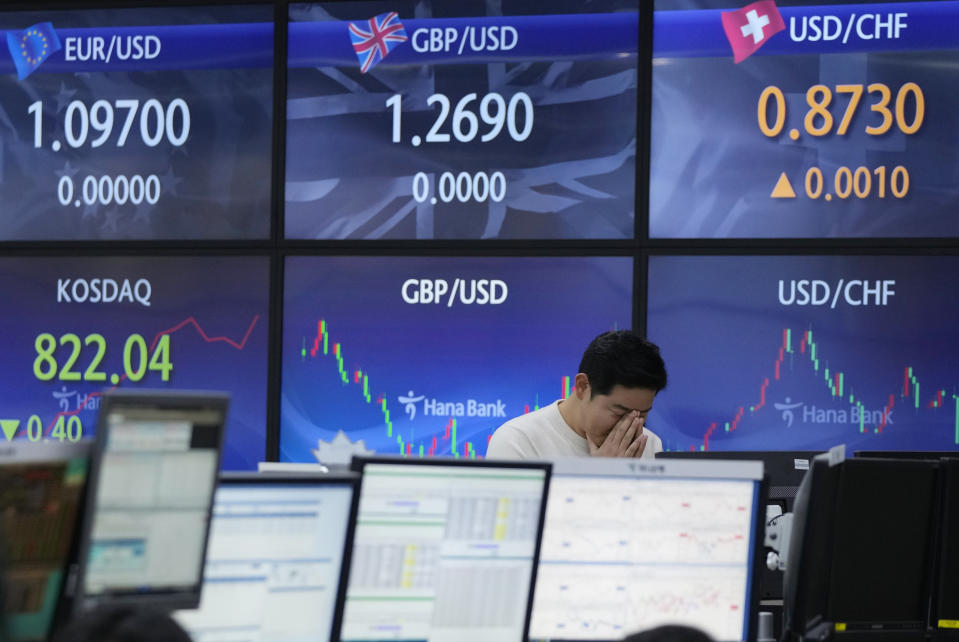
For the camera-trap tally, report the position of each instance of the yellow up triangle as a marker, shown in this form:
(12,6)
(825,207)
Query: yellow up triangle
(783,189)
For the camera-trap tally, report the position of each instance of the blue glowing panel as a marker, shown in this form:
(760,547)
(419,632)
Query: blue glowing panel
(429,355)
(148,123)
(806,352)
(453,120)
(804,119)
(78,326)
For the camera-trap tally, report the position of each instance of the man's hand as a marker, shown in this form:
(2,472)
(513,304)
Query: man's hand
(626,439)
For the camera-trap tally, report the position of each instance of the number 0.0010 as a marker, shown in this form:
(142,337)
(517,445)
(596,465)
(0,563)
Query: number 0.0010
(111,190)
(859,182)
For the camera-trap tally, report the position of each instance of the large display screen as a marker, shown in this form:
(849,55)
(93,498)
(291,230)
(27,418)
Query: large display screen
(75,327)
(136,123)
(452,120)
(806,352)
(804,119)
(428,356)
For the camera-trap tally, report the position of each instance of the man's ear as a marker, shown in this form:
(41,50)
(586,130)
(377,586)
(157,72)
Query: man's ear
(581,387)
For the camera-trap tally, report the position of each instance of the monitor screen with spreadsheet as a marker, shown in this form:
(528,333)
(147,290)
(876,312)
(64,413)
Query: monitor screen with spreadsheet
(151,493)
(630,545)
(274,561)
(443,550)
(42,486)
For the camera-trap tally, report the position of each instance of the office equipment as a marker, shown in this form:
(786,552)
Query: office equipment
(928,455)
(944,620)
(631,544)
(861,552)
(151,494)
(274,560)
(784,469)
(42,487)
(442,550)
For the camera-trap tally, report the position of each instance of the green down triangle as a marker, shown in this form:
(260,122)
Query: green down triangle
(9,427)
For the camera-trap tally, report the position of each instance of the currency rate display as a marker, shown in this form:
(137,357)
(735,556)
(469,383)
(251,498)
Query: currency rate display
(807,352)
(75,327)
(136,123)
(452,120)
(427,356)
(804,120)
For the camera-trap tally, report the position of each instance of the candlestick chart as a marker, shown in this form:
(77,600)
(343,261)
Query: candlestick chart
(806,352)
(429,370)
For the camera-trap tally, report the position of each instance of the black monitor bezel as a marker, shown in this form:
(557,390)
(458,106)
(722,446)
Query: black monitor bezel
(888,626)
(933,455)
(167,599)
(766,456)
(946,551)
(808,584)
(358,465)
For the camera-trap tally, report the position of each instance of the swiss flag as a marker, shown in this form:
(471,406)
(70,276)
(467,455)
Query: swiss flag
(749,28)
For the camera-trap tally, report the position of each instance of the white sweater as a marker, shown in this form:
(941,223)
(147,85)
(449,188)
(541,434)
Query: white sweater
(544,434)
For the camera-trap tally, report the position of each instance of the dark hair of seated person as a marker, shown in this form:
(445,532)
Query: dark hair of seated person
(123,624)
(670,633)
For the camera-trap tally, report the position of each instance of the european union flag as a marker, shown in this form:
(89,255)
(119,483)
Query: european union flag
(30,47)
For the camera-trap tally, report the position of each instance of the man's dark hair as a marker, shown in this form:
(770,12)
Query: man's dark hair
(670,633)
(622,357)
(123,624)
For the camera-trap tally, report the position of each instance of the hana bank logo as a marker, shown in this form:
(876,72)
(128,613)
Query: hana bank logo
(436,408)
(787,410)
(810,414)
(375,38)
(409,404)
(30,47)
(749,28)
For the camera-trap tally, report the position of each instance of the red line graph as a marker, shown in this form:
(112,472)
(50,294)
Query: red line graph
(188,321)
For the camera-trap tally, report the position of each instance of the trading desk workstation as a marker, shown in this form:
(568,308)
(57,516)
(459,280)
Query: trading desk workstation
(379,230)
(451,549)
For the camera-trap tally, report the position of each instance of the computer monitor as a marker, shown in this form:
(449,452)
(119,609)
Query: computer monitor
(860,555)
(274,560)
(150,498)
(784,469)
(932,455)
(443,550)
(42,489)
(629,545)
(945,603)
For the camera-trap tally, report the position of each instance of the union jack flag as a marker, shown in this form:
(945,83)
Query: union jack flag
(375,38)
